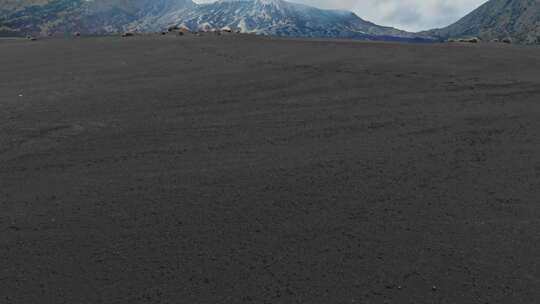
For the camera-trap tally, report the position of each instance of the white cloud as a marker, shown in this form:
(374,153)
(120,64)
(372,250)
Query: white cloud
(412,15)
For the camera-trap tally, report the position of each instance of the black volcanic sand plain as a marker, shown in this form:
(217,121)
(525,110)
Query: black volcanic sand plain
(243,169)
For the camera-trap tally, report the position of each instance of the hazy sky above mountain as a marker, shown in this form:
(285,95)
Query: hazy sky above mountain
(412,15)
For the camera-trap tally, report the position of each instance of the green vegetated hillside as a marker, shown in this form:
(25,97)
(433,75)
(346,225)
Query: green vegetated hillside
(37,16)
(96,16)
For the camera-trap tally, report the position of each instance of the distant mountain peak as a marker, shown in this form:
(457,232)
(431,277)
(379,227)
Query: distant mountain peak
(269,17)
(283,18)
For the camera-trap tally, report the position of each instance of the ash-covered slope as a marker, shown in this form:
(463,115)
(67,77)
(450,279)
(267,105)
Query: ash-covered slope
(278,17)
(518,20)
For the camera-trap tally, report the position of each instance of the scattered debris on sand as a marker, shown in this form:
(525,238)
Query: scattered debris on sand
(464,40)
(504,40)
(206,27)
(184,29)
(180,30)
(470,40)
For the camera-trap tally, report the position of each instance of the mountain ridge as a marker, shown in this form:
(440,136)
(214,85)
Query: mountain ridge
(516,20)
(268,17)
(282,18)
(44,17)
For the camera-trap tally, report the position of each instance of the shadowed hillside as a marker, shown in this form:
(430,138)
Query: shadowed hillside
(518,20)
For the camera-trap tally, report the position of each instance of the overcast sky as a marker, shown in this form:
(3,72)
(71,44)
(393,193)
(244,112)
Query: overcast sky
(412,15)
